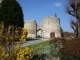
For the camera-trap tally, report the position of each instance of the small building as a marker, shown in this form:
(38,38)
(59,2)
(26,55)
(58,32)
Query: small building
(67,34)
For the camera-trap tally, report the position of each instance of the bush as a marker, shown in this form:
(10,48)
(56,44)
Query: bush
(25,54)
(55,46)
(9,49)
(68,49)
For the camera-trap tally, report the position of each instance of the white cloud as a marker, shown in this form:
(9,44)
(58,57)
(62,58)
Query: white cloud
(57,4)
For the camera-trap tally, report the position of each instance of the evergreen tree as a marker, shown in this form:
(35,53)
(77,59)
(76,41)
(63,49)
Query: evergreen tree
(11,13)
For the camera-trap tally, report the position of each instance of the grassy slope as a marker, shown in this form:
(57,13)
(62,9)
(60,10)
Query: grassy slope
(38,47)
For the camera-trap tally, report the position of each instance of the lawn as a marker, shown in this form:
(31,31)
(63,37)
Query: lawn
(42,50)
(38,47)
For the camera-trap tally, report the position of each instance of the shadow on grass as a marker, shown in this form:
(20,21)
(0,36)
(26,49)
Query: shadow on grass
(39,57)
(32,39)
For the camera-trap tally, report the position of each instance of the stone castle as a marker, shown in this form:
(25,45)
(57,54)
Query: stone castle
(48,25)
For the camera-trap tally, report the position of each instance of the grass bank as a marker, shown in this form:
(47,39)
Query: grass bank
(38,46)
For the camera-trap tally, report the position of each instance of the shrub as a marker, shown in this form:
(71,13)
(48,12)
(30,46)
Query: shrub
(55,46)
(68,49)
(25,54)
(9,48)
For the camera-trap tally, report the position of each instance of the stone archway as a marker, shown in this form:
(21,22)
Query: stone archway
(39,33)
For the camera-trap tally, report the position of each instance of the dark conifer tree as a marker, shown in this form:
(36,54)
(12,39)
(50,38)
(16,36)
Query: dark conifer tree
(11,13)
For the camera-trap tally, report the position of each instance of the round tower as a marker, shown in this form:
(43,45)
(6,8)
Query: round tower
(50,24)
(31,26)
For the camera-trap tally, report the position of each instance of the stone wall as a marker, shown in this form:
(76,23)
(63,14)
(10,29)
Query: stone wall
(31,26)
(0,1)
(50,24)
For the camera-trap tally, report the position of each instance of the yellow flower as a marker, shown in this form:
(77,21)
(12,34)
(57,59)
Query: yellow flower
(9,28)
(0,47)
(21,56)
(3,36)
(20,59)
(27,57)
(7,55)
(11,38)
(2,54)
(6,38)
(26,48)
(0,33)
(16,31)
(26,52)
(2,25)
(8,32)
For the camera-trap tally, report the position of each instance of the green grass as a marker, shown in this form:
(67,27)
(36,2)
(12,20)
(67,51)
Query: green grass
(39,47)
(39,44)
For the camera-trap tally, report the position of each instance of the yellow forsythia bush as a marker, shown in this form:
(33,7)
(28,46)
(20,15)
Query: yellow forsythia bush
(11,39)
(25,54)
(23,35)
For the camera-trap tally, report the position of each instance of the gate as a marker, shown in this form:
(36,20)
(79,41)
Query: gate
(52,35)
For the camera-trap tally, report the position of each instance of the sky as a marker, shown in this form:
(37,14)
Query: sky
(39,9)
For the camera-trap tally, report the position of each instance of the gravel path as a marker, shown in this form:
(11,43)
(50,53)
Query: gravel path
(33,42)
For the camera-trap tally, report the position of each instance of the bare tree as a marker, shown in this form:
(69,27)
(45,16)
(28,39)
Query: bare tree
(73,8)
(74,26)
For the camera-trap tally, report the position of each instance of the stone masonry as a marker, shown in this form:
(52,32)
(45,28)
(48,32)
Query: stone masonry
(49,24)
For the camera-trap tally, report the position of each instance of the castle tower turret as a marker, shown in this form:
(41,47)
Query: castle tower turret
(50,24)
(55,15)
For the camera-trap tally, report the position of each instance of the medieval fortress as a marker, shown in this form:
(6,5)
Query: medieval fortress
(48,25)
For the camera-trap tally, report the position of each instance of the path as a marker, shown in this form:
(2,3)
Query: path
(33,42)
(36,41)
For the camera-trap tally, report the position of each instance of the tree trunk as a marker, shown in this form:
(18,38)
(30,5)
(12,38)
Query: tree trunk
(78,13)
(78,30)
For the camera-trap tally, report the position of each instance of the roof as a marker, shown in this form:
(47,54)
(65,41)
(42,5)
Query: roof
(66,33)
